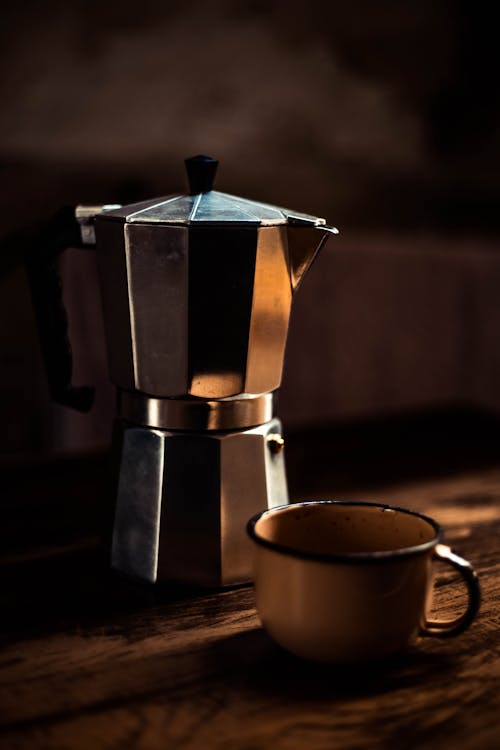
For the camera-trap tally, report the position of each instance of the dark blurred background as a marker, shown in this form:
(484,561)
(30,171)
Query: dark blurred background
(382,117)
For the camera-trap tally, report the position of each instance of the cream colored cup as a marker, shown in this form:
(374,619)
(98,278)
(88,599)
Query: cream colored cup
(343,581)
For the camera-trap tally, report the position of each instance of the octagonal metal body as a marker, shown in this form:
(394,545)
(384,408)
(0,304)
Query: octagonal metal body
(184,499)
(199,310)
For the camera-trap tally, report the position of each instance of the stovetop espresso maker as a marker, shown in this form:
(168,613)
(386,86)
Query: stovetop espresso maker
(196,295)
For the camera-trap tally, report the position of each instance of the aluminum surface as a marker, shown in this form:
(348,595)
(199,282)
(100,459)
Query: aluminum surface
(136,529)
(85,216)
(212,207)
(158,291)
(184,499)
(202,310)
(195,414)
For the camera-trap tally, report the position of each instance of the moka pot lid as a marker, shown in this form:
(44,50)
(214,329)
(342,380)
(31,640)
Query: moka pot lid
(206,206)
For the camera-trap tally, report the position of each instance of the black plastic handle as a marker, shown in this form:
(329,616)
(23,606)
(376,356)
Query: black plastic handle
(201,171)
(60,233)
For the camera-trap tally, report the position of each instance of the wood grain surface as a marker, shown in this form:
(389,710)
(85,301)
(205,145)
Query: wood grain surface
(88,662)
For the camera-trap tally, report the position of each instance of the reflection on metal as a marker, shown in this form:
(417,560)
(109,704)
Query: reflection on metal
(184,499)
(275,442)
(221,287)
(85,216)
(136,529)
(271,305)
(200,311)
(197,292)
(195,414)
(304,245)
(212,207)
(157,276)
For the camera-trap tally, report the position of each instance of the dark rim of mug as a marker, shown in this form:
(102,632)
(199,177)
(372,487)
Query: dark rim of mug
(352,557)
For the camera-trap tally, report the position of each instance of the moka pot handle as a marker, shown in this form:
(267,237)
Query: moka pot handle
(69,227)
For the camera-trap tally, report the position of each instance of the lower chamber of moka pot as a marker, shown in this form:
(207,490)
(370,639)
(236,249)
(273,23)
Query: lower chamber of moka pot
(184,498)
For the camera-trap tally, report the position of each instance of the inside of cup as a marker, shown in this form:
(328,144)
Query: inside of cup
(344,529)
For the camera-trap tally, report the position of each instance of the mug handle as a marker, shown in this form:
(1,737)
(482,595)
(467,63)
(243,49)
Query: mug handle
(450,628)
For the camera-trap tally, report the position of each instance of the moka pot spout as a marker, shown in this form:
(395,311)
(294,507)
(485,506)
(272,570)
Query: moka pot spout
(304,244)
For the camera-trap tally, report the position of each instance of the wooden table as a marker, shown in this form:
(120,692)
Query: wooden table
(90,663)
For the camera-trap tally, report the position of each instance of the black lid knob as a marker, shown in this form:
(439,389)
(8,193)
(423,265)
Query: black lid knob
(201,173)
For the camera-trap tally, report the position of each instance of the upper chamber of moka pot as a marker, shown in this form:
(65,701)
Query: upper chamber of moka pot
(197,289)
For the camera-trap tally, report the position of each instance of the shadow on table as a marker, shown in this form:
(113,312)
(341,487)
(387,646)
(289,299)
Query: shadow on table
(260,667)
(52,593)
